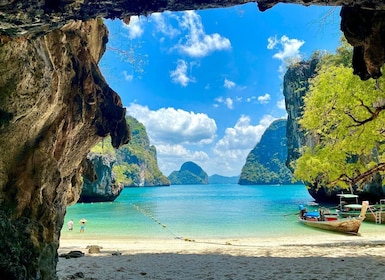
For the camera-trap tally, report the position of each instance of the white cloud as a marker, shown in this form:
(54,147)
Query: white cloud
(179,75)
(228,84)
(281,104)
(240,139)
(250,99)
(227,101)
(197,43)
(171,157)
(288,48)
(264,99)
(134,27)
(164,26)
(127,76)
(174,126)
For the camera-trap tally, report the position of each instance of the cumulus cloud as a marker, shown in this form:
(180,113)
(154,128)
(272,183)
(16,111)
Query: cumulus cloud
(174,126)
(240,139)
(264,99)
(287,48)
(162,24)
(197,43)
(179,75)
(228,84)
(134,28)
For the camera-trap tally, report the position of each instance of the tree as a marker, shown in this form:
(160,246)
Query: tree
(345,118)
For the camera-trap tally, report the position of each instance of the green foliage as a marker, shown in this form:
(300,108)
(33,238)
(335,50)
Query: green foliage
(136,163)
(265,164)
(189,174)
(344,117)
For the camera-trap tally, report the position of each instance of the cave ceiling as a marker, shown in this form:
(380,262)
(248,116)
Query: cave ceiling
(362,21)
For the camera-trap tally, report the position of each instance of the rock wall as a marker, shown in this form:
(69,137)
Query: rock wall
(265,164)
(103,186)
(54,106)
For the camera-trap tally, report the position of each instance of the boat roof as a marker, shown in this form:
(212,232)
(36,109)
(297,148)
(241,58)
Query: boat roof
(353,206)
(347,195)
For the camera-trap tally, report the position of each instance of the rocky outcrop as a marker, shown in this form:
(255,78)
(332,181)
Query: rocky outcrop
(103,186)
(265,164)
(54,106)
(295,87)
(362,20)
(189,174)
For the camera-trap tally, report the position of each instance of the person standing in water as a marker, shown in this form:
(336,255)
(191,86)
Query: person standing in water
(70,225)
(82,224)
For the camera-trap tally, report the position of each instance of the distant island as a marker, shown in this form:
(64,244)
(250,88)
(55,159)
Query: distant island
(189,174)
(265,164)
(219,179)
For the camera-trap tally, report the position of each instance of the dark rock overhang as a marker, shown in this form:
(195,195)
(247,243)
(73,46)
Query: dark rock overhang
(362,21)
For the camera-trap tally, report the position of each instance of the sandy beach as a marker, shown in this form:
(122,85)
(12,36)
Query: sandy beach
(318,256)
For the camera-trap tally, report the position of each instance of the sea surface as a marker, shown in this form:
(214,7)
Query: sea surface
(195,211)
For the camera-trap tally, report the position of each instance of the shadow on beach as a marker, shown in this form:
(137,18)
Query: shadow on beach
(346,264)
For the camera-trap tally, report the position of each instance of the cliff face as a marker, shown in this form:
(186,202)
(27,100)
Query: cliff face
(295,87)
(189,174)
(103,186)
(54,106)
(135,164)
(265,164)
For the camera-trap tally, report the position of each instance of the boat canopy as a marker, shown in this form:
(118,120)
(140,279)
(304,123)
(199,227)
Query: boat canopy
(347,195)
(353,206)
(312,214)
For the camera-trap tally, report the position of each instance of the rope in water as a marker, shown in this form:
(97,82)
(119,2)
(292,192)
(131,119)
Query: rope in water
(147,214)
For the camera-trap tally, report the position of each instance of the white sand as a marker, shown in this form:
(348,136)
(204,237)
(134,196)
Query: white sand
(319,256)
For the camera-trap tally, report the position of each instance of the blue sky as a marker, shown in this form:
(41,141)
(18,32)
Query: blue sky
(206,84)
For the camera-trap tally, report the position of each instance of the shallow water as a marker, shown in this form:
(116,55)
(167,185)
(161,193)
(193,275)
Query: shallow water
(196,211)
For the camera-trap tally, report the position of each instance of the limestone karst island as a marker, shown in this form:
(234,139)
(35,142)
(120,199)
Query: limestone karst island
(56,107)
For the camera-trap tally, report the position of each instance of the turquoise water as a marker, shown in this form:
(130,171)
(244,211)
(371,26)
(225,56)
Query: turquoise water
(196,211)
(193,211)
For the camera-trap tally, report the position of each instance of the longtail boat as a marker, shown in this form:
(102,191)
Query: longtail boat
(350,225)
(375,213)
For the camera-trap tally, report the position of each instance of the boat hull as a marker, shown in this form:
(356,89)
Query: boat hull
(348,225)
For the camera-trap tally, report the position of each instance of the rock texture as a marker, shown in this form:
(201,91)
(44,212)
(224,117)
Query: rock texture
(104,187)
(362,20)
(54,106)
(295,87)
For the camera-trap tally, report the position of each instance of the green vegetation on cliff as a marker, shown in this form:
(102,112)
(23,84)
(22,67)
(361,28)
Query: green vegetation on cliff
(344,115)
(189,174)
(265,164)
(136,162)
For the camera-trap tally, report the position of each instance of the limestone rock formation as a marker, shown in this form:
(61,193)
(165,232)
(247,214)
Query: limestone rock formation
(295,87)
(54,106)
(135,164)
(265,164)
(189,174)
(104,187)
(362,20)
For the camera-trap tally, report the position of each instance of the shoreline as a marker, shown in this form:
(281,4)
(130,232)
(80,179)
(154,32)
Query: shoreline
(319,255)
